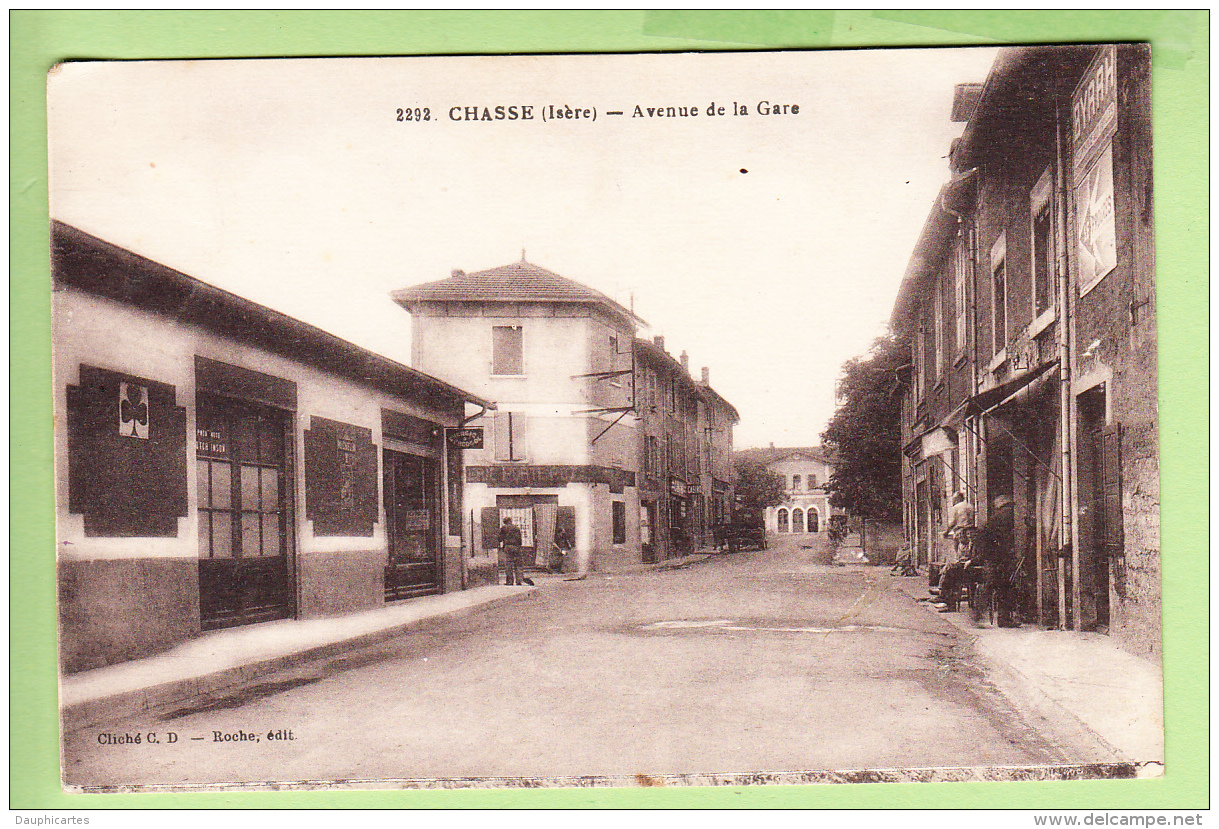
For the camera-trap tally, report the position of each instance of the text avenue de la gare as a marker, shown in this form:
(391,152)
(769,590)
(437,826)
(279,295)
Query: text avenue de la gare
(567,112)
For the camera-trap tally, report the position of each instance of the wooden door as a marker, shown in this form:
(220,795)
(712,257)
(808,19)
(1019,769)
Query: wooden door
(412,516)
(244,519)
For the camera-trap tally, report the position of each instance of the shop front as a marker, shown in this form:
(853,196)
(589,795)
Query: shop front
(313,485)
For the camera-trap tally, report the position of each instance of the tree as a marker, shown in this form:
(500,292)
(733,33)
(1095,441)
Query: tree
(757,487)
(864,435)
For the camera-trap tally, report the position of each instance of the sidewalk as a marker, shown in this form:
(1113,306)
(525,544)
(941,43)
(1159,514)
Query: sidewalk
(224,658)
(1083,683)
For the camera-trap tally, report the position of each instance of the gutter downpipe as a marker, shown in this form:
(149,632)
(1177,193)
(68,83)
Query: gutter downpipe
(971,248)
(1067,533)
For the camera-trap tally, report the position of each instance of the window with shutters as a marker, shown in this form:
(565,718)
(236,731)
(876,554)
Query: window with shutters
(960,273)
(1043,244)
(998,281)
(510,436)
(619,519)
(507,351)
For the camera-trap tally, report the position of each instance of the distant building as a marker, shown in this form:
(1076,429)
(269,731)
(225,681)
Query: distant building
(566,454)
(686,486)
(804,470)
(1030,303)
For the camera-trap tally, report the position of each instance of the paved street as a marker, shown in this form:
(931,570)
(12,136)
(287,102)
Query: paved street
(745,663)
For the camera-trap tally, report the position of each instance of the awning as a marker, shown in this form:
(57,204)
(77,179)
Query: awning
(997,396)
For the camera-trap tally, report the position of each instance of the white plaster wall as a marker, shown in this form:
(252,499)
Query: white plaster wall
(109,335)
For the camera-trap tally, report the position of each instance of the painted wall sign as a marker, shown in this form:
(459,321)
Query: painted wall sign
(133,410)
(1096,234)
(211,441)
(1094,110)
(416,520)
(467,438)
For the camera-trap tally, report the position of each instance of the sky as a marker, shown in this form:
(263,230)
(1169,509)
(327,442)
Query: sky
(768,247)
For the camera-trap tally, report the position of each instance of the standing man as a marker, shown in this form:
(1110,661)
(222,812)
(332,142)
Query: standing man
(998,563)
(510,543)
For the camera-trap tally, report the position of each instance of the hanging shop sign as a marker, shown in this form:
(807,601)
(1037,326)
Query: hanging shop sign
(466,438)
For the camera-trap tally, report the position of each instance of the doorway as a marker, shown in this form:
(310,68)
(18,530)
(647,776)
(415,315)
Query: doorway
(244,519)
(411,493)
(1101,518)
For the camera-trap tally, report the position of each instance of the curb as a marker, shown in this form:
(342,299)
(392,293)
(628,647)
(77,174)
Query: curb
(1063,727)
(104,709)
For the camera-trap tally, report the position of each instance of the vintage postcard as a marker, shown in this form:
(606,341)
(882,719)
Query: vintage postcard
(606,420)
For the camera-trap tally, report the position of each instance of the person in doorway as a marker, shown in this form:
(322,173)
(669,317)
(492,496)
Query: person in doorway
(994,553)
(960,525)
(510,543)
(960,528)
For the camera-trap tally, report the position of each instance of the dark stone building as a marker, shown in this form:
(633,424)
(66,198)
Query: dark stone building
(1030,301)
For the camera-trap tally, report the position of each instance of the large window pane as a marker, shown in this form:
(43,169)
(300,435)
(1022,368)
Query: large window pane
(222,535)
(222,485)
(249,487)
(270,534)
(203,486)
(205,535)
(270,490)
(250,545)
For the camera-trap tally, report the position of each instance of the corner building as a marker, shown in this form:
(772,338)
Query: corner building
(564,454)
(221,464)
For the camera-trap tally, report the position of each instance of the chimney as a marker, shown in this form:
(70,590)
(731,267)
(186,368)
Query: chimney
(965,99)
(458,272)
(660,342)
(706,376)
(685,362)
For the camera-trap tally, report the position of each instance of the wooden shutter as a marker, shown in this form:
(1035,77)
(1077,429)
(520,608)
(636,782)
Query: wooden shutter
(503,446)
(490,522)
(1111,489)
(324,472)
(520,435)
(366,483)
(125,486)
(565,524)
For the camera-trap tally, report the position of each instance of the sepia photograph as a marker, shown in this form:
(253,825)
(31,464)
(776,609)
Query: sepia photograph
(690,419)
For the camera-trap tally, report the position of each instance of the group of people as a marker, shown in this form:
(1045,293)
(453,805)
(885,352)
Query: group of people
(983,558)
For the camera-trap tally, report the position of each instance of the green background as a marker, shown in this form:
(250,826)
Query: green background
(1180,56)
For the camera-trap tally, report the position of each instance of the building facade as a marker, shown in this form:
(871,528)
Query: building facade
(1030,304)
(685,431)
(804,470)
(565,452)
(221,464)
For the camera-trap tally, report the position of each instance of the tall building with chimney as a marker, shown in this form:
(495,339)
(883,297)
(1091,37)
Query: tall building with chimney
(565,453)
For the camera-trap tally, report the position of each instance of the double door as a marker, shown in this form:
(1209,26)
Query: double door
(244,521)
(412,498)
